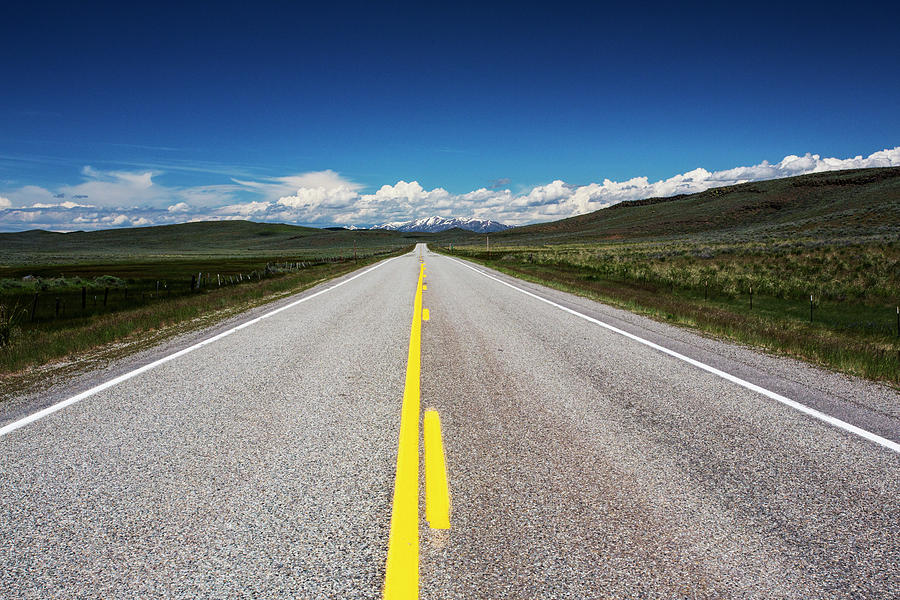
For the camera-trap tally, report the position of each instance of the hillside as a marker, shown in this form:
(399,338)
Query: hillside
(209,238)
(854,203)
(859,204)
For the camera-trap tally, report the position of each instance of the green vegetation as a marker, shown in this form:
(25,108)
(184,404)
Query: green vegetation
(210,242)
(856,205)
(49,338)
(693,261)
(63,296)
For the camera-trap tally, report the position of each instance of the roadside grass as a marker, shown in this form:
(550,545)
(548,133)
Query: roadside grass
(52,339)
(706,287)
(74,290)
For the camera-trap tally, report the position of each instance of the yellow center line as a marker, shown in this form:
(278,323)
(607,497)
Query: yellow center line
(437,492)
(402,569)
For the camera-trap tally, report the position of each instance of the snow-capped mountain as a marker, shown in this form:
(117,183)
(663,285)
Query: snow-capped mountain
(438,224)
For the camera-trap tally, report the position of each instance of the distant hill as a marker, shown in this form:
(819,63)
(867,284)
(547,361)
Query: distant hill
(852,203)
(439,224)
(207,238)
(858,204)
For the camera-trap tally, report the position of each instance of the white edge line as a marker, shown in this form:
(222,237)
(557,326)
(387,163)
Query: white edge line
(108,384)
(741,382)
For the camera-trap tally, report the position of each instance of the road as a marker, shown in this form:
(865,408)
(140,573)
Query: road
(582,463)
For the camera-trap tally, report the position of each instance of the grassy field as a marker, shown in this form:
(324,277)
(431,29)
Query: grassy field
(695,260)
(77,332)
(66,295)
(210,242)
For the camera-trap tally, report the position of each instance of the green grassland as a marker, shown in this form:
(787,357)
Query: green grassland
(209,241)
(693,260)
(64,296)
(857,205)
(79,331)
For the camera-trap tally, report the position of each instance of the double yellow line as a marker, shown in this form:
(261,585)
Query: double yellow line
(402,569)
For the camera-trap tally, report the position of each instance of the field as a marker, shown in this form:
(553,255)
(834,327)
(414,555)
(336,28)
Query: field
(66,296)
(807,266)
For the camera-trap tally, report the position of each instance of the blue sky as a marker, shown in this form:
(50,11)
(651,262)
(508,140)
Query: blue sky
(363,113)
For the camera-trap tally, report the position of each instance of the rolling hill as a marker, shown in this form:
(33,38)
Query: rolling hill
(853,203)
(859,204)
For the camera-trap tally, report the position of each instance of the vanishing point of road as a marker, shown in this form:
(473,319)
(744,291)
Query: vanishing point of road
(588,453)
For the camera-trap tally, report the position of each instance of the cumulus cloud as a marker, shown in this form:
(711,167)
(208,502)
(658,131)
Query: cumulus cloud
(325,197)
(125,198)
(246,209)
(274,188)
(321,197)
(67,204)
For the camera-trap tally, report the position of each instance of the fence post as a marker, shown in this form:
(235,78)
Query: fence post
(34,306)
(751,297)
(105,296)
(83,298)
(810,307)
(193,282)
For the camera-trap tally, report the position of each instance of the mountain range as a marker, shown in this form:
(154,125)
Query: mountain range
(438,224)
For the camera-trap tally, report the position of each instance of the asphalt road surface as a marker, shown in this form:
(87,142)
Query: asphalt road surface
(582,463)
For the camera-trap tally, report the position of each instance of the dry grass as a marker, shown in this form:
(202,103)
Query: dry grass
(853,328)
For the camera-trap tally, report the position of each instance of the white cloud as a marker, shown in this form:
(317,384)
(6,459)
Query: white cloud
(67,204)
(552,193)
(181,207)
(274,188)
(124,198)
(325,197)
(116,220)
(557,199)
(321,197)
(247,209)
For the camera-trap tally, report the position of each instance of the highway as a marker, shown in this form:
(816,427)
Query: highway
(590,453)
